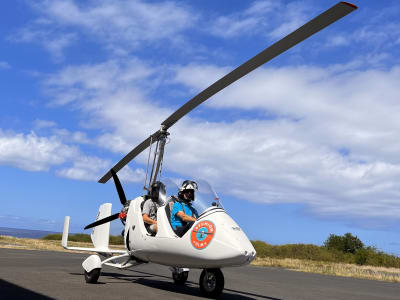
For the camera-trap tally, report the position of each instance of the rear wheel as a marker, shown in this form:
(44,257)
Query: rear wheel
(180,278)
(211,282)
(92,276)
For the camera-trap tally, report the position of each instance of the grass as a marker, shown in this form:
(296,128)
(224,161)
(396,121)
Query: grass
(43,244)
(332,268)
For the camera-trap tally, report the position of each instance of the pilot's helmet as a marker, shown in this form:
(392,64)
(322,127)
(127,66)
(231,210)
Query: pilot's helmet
(187,189)
(158,193)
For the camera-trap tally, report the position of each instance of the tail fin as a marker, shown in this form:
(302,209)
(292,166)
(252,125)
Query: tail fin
(101,234)
(100,238)
(64,240)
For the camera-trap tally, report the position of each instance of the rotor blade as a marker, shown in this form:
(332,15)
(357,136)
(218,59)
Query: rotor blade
(323,20)
(131,155)
(102,221)
(119,188)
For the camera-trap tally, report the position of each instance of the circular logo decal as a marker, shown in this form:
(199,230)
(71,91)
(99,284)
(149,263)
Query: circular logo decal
(202,234)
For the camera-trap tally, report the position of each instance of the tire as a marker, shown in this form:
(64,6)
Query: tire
(211,283)
(92,276)
(180,278)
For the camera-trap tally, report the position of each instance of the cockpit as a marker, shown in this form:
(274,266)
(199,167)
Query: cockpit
(205,197)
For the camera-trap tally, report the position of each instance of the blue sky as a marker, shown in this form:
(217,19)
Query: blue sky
(303,147)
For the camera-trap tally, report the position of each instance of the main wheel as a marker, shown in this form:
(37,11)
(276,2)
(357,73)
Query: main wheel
(92,276)
(211,282)
(180,278)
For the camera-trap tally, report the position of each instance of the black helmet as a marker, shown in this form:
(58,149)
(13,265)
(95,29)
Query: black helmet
(158,193)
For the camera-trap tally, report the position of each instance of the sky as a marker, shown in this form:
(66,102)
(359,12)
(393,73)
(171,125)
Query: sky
(305,146)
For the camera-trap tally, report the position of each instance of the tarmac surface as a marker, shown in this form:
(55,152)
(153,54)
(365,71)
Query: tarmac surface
(26,274)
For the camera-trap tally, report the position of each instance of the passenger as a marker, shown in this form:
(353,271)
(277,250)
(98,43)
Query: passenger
(151,205)
(183,214)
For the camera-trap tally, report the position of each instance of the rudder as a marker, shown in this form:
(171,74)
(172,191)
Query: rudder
(101,234)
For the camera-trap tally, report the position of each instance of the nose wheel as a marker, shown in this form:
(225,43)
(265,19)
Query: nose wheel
(211,282)
(180,277)
(92,276)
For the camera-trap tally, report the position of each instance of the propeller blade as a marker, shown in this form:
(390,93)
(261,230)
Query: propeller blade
(328,17)
(131,155)
(102,221)
(119,188)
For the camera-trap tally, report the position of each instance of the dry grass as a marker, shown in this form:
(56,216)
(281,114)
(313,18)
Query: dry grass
(36,244)
(330,268)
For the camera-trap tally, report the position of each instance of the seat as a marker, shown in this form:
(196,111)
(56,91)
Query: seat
(149,232)
(168,209)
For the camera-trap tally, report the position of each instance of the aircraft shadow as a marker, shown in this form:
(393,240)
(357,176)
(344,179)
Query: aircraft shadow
(9,290)
(190,288)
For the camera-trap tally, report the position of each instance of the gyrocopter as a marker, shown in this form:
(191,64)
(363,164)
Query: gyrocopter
(214,240)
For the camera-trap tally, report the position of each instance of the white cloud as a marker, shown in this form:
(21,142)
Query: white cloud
(89,168)
(85,168)
(338,40)
(77,83)
(293,157)
(54,42)
(120,25)
(274,19)
(33,153)
(39,124)
(4,65)
(75,136)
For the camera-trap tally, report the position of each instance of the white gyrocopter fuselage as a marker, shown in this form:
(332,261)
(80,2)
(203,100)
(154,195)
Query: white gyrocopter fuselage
(214,241)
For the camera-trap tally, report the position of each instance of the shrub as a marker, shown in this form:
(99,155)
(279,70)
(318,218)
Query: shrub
(53,237)
(347,243)
(116,240)
(361,256)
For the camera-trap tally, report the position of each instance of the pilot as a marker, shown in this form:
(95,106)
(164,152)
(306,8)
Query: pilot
(151,205)
(183,214)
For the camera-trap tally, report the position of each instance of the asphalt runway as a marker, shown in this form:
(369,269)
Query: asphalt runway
(28,274)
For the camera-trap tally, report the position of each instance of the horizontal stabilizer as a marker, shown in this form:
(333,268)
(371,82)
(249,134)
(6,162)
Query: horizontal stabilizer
(64,243)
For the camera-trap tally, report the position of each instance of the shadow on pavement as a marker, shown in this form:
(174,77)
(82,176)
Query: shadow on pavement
(190,288)
(9,290)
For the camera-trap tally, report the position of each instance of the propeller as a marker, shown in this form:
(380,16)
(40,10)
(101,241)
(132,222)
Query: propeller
(122,198)
(102,221)
(119,188)
(325,19)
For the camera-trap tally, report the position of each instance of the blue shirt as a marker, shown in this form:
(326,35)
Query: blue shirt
(181,206)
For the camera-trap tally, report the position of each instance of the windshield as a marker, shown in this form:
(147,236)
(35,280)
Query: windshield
(204,198)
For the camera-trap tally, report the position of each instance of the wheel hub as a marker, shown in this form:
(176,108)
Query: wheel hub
(210,282)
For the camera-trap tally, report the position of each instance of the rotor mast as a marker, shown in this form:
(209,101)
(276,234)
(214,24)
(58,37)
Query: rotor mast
(158,156)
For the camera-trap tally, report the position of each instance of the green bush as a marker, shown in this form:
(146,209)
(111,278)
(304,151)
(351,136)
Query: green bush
(347,243)
(362,255)
(53,237)
(116,240)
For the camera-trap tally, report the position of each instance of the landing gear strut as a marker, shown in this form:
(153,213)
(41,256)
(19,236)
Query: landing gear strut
(211,282)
